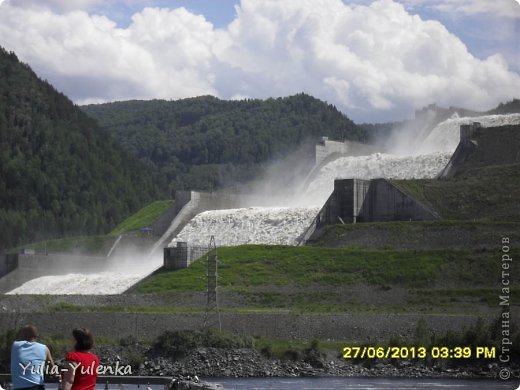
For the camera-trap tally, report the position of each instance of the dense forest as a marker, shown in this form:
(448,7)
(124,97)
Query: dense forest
(60,173)
(206,143)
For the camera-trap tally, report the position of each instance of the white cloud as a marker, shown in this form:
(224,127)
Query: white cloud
(377,62)
(502,8)
(58,5)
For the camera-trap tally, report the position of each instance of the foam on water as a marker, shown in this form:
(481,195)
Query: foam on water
(119,274)
(421,161)
(277,225)
(254,225)
(446,135)
(101,283)
(374,166)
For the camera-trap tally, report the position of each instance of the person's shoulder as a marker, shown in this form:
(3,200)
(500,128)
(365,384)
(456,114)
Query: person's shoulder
(81,356)
(41,345)
(20,344)
(72,356)
(92,356)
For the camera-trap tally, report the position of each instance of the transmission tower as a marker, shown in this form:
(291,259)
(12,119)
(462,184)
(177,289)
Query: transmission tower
(212,315)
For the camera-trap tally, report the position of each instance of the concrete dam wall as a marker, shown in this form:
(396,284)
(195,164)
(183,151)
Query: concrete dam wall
(484,146)
(377,200)
(190,203)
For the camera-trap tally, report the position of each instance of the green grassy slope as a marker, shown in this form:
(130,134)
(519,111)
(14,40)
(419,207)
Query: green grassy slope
(88,245)
(101,244)
(250,265)
(143,217)
(488,193)
(309,279)
(443,234)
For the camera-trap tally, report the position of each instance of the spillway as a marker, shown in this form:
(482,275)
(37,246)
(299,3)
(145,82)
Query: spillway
(101,283)
(374,166)
(117,276)
(276,225)
(253,225)
(423,160)
(445,136)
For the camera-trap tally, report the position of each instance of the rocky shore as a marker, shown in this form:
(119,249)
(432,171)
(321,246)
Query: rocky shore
(244,363)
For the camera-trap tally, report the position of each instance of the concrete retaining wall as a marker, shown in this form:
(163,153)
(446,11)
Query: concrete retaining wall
(32,266)
(326,147)
(481,147)
(377,200)
(464,149)
(163,222)
(327,151)
(7,263)
(385,202)
(181,256)
(190,203)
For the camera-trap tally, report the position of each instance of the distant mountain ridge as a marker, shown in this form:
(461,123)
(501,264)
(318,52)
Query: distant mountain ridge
(206,143)
(60,173)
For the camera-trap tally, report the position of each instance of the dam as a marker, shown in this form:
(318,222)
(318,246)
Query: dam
(345,185)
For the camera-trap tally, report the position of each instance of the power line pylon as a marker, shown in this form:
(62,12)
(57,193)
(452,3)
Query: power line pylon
(212,315)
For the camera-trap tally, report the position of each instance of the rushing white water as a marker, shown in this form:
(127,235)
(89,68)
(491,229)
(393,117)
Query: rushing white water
(254,225)
(277,225)
(446,135)
(118,275)
(374,166)
(101,283)
(421,161)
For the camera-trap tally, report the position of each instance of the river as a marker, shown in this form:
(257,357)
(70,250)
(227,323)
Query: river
(363,384)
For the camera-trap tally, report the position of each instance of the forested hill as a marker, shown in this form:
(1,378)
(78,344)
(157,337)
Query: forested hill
(60,173)
(205,142)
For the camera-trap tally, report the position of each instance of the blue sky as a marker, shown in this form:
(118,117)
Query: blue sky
(375,60)
(218,12)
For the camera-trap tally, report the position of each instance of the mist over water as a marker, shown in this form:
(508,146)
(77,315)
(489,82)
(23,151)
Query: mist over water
(254,225)
(411,151)
(118,274)
(378,165)
(445,136)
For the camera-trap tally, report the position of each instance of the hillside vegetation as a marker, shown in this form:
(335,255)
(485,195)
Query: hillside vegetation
(99,245)
(311,279)
(60,173)
(248,266)
(144,217)
(205,142)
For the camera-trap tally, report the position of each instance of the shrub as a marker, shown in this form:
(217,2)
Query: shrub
(135,360)
(6,341)
(178,344)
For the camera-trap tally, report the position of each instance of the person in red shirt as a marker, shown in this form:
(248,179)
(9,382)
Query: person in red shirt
(82,365)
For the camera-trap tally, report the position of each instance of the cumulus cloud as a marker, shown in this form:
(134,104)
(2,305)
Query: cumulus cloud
(57,5)
(502,8)
(374,62)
